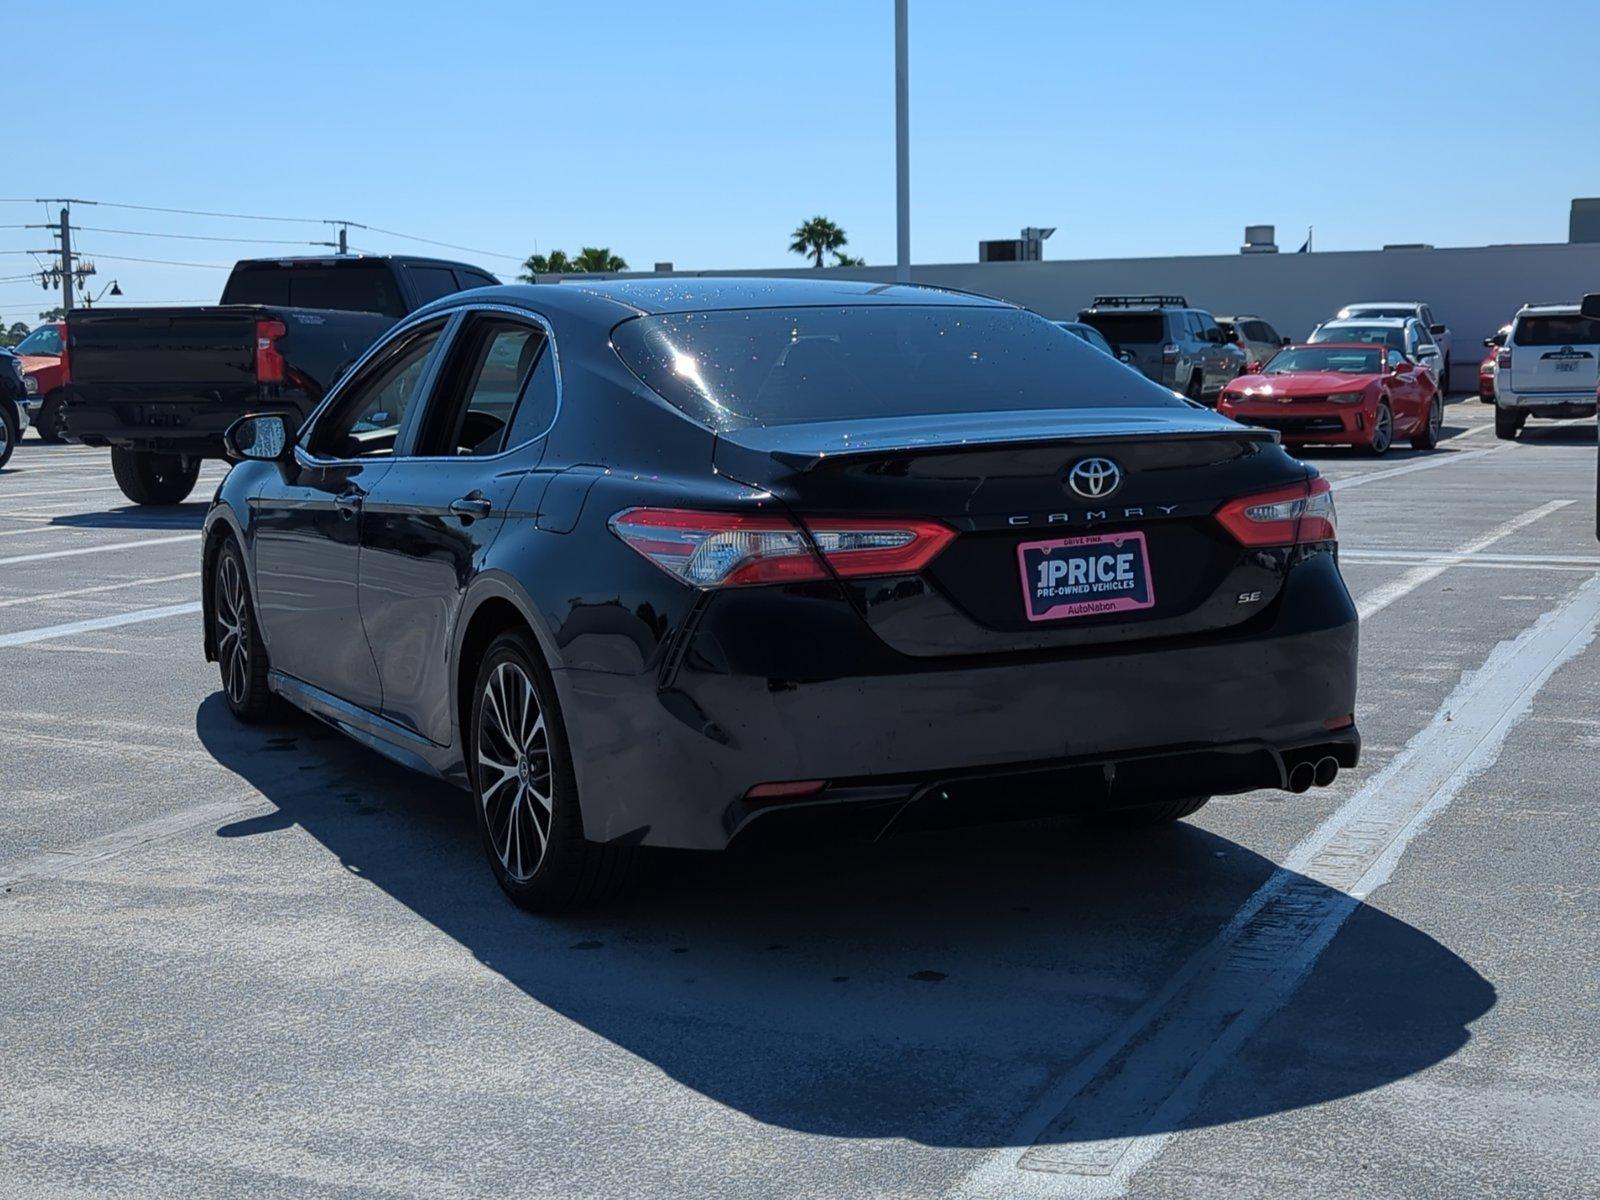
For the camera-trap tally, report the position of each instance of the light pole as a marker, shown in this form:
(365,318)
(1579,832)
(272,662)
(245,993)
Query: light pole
(902,149)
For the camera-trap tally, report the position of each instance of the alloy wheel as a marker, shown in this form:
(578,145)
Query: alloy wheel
(1382,430)
(515,783)
(233,624)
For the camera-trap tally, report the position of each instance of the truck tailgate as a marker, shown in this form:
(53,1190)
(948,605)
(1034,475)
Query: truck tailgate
(169,346)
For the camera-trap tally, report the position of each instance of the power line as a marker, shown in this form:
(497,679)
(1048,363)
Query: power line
(411,237)
(164,262)
(199,212)
(191,237)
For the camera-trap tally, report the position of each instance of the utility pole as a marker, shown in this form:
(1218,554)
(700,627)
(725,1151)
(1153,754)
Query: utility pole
(66,259)
(902,148)
(67,271)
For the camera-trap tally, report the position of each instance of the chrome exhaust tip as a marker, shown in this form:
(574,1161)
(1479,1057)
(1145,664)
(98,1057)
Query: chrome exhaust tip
(1301,777)
(1327,770)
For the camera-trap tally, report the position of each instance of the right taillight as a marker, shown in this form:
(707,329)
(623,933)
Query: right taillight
(1503,360)
(1169,352)
(712,549)
(1283,517)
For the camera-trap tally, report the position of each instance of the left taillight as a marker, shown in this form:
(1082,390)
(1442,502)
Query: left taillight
(269,361)
(1284,516)
(712,549)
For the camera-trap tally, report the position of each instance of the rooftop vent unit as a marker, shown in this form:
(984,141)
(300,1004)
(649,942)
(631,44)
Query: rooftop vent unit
(1260,239)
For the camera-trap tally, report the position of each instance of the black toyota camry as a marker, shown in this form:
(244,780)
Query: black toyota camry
(678,562)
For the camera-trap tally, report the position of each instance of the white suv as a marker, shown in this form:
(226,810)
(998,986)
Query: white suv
(1549,367)
(1438,332)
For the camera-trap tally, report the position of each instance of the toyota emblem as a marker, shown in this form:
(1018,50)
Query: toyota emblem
(1094,478)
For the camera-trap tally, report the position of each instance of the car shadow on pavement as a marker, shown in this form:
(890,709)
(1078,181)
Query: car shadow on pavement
(138,516)
(929,988)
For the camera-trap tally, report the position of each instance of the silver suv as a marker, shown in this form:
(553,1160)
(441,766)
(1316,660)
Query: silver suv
(1179,347)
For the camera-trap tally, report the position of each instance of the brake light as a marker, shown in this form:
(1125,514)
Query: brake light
(1503,360)
(1283,517)
(1169,352)
(269,362)
(711,549)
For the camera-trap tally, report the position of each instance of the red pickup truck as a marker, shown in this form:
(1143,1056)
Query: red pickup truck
(43,354)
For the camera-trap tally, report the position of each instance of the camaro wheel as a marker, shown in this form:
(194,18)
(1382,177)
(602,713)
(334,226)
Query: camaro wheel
(241,657)
(1148,815)
(526,791)
(1427,437)
(1382,430)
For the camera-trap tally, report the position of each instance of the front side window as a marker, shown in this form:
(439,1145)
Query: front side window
(365,421)
(1396,359)
(781,365)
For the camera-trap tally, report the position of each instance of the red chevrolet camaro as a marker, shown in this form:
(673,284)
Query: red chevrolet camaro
(1357,394)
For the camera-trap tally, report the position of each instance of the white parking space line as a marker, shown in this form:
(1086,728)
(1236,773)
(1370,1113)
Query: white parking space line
(1152,1072)
(133,545)
(1420,464)
(27,637)
(1386,594)
(104,587)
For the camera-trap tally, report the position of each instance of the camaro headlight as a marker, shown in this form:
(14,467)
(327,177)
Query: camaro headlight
(1348,397)
(30,384)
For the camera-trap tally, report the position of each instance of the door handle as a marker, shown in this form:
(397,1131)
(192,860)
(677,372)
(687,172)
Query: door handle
(349,503)
(471,508)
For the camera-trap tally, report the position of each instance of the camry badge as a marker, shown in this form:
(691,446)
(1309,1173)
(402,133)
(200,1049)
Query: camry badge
(1094,478)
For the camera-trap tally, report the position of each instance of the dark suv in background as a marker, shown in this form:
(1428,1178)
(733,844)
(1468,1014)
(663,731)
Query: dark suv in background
(1161,336)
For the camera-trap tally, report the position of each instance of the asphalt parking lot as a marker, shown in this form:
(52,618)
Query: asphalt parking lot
(261,962)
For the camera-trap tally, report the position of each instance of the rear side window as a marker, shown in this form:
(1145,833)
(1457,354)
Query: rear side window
(481,384)
(475,279)
(429,283)
(1557,330)
(1128,329)
(776,366)
(351,287)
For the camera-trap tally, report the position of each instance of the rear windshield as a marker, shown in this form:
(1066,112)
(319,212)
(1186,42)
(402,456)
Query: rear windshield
(1378,335)
(44,340)
(1381,310)
(357,287)
(785,365)
(1128,329)
(1342,359)
(1557,330)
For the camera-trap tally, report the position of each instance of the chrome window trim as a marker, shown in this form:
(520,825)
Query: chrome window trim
(453,318)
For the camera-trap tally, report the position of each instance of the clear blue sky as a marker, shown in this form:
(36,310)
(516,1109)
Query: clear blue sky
(703,131)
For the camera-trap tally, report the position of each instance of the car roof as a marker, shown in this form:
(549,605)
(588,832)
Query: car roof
(616,299)
(1395,322)
(1384,303)
(1554,309)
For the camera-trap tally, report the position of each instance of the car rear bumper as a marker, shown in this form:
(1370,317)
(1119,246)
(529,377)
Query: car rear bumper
(1128,723)
(162,421)
(1533,401)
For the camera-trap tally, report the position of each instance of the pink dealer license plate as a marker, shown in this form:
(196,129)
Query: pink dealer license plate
(1085,576)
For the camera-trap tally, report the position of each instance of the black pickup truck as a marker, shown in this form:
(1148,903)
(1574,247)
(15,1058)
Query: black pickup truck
(160,385)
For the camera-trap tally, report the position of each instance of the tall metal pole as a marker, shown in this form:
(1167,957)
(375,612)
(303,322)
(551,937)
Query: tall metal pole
(344,239)
(902,148)
(66,261)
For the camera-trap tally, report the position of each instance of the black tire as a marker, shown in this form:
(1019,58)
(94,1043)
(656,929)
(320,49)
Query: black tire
(1382,430)
(9,433)
(1147,815)
(48,426)
(241,657)
(1428,436)
(149,477)
(1508,422)
(1196,390)
(1444,381)
(517,822)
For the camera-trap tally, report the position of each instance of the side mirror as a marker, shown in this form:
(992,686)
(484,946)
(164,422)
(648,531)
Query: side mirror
(1285,342)
(1591,305)
(1428,351)
(263,438)
(1437,329)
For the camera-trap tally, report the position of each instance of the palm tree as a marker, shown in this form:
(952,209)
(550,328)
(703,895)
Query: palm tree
(841,259)
(598,258)
(556,263)
(816,237)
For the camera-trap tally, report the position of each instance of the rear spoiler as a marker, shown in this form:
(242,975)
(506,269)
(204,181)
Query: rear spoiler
(805,447)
